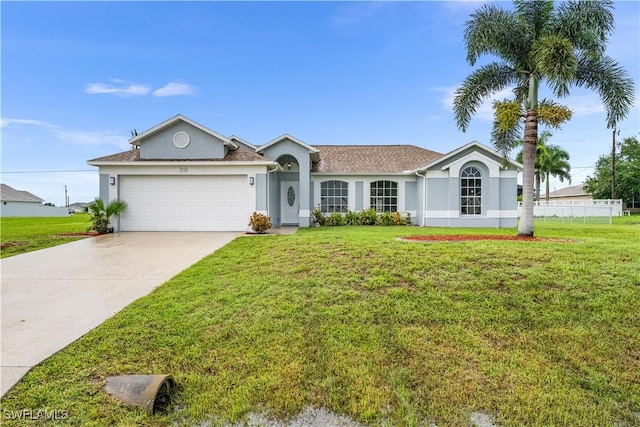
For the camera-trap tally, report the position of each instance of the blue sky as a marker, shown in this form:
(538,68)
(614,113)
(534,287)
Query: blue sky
(77,77)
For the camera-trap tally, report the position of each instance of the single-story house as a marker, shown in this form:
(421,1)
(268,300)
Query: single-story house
(78,207)
(574,192)
(182,176)
(20,203)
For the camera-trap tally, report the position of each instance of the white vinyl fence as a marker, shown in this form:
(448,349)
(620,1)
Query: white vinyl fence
(576,210)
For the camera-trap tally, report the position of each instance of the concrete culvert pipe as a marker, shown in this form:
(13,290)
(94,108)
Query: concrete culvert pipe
(152,392)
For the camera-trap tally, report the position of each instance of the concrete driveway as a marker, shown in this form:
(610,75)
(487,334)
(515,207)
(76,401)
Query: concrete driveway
(52,297)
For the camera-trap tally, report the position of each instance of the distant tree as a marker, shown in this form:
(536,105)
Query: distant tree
(541,150)
(627,173)
(533,44)
(554,162)
(48,204)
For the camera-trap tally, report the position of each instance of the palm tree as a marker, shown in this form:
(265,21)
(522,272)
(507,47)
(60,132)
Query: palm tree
(538,43)
(101,214)
(541,150)
(554,162)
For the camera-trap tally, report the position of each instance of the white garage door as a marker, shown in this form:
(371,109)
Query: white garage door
(184,203)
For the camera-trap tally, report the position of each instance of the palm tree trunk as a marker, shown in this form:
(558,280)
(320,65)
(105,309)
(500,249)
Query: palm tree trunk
(537,185)
(548,176)
(525,227)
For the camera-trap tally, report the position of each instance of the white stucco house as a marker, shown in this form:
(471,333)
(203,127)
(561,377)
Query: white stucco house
(182,176)
(21,203)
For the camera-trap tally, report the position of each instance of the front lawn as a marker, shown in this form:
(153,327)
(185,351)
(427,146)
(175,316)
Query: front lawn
(386,332)
(20,235)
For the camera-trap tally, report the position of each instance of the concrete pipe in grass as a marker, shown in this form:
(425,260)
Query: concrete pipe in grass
(152,392)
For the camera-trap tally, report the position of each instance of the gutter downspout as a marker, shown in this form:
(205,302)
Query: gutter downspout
(424,197)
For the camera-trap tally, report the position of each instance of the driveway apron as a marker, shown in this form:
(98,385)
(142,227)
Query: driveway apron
(52,297)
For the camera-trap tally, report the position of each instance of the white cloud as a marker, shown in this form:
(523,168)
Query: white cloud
(125,88)
(6,123)
(176,88)
(73,136)
(91,138)
(119,87)
(584,105)
(484,111)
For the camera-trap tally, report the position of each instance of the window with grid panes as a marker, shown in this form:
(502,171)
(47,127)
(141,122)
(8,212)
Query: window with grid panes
(384,196)
(471,191)
(334,196)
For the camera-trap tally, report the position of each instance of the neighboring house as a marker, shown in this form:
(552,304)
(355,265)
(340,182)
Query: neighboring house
(78,207)
(20,203)
(181,176)
(574,192)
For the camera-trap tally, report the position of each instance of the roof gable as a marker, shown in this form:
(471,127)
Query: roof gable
(136,140)
(446,160)
(10,194)
(313,152)
(571,191)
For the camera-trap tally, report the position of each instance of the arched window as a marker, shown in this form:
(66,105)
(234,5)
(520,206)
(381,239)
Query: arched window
(471,191)
(384,196)
(334,196)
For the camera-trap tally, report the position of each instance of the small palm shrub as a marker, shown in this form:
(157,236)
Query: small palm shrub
(335,219)
(259,223)
(101,214)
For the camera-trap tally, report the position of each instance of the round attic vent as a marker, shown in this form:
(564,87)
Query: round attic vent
(181,139)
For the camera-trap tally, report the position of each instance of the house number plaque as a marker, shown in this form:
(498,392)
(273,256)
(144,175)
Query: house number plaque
(184,170)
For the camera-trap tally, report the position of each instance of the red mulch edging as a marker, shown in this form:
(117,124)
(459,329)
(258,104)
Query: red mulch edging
(14,243)
(87,234)
(476,237)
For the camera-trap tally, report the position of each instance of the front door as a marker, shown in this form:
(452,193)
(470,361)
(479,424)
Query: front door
(289,204)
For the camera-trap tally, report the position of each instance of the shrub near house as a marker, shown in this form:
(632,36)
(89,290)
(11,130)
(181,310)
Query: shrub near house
(101,214)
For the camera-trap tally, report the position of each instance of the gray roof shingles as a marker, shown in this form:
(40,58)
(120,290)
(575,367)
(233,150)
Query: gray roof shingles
(10,194)
(372,158)
(348,159)
(240,155)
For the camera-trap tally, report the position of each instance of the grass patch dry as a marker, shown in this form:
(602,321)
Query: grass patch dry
(21,235)
(381,330)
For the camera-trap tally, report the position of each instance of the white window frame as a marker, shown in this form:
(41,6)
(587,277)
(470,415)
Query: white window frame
(334,196)
(382,199)
(471,191)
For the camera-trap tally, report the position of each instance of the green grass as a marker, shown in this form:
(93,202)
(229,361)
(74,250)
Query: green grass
(21,235)
(384,331)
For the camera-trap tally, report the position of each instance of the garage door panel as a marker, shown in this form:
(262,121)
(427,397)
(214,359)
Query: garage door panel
(184,203)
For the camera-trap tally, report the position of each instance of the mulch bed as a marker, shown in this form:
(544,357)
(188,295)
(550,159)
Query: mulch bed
(87,234)
(476,237)
(14,243)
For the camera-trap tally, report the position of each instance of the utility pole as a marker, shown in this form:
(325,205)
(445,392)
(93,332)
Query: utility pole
(613,165)
(66,197)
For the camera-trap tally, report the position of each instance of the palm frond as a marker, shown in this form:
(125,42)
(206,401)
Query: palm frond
(586,24)
(505,140)
(536,14)
(495,31)
(611,81)
(555,61)
(479,86)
